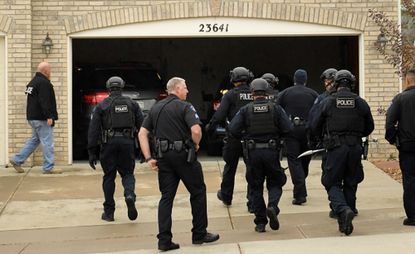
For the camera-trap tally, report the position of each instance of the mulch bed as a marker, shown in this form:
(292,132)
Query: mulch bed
(391,168)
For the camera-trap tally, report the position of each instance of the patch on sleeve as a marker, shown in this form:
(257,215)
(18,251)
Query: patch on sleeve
(345,103)
(261,108)
(193,108)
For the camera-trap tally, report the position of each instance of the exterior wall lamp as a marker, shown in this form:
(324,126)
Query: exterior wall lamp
(381,41)
(47,44)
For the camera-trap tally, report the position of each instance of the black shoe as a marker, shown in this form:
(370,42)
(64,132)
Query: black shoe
(171,246)
(107,217)
(219,195)
(260,228)
(250,207)
(345,221)
(333,215)
(299,200)
(273,218)
(208,238)
(409,222)
(132,211)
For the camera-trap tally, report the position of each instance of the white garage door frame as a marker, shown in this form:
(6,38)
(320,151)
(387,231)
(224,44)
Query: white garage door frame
(198,27)
(4,148)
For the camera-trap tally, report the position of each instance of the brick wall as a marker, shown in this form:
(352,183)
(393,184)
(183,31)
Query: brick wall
(28,21)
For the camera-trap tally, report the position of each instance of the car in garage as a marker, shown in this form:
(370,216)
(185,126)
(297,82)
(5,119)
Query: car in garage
(143,84)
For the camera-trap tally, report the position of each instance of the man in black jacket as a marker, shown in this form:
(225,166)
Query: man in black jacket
(400,123)
(41,114)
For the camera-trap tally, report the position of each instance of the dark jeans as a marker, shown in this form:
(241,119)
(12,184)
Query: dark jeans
(298,167)
(343,171)
(407,165)
(173,167)
(117,155)
(264,163)
(232,151)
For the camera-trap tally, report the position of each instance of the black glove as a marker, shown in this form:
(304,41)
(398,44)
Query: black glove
(92,158)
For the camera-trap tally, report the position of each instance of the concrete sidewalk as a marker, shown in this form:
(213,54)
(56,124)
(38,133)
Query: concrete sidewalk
(61,214)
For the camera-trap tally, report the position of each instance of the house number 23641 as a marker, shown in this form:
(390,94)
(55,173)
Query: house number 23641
(213,28)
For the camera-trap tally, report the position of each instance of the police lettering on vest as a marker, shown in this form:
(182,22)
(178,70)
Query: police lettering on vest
(345,102)
(119,115)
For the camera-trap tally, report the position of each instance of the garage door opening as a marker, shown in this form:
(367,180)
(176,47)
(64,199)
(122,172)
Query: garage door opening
(205,64)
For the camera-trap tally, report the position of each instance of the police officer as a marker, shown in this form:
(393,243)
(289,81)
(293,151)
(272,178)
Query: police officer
(273,82)
(297,102)
(345,118)
(175,127)
(114,124)
(261,124)
(315,141)
(231,102)
(400,131)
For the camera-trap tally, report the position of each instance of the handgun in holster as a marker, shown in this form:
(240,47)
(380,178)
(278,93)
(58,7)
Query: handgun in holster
(104,136)
(365,146)
(158,152)
(191,151)
(245,151)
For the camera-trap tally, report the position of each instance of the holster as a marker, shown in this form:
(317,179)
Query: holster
(331,141)
(245,150)
(191,151)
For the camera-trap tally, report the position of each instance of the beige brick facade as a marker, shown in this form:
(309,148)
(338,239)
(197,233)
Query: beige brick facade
(25,23)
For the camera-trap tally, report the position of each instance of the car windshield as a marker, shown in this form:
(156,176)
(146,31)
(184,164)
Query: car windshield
(134,78)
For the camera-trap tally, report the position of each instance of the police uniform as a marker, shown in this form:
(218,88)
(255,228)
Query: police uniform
(261,124)
(401,113)
(297,102)
(114,124)
(169,121)
(345,118)
(231,102)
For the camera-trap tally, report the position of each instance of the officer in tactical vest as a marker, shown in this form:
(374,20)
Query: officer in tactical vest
(175,127)
(273,82)
(400,131)
(261,124)
(231,102)
(297,102)
(114,125)
(344,118)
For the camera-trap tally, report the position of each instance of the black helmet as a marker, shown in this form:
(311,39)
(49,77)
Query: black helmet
(240,74)
(344,78)
(115,82)
(328,74)
(259,84)
(271,79)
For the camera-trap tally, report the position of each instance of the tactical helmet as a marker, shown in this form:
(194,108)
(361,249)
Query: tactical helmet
(115,82)
(328,74)
(240,74)
(271,79)
(344,78)
(259,84)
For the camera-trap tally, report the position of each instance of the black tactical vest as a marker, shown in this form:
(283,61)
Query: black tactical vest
(119,115)
(260,118)
(243,97)
(344,117)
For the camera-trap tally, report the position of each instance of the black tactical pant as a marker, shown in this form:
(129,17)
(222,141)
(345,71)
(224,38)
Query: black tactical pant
(265,164)
(172,168)
(298,167)
(407,165)
(342,173)
(118,154)
(232,151)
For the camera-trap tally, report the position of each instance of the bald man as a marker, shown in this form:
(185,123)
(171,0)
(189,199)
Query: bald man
(400,131)
(41,114)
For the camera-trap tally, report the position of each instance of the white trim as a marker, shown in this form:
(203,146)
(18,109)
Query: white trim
(4,125)
(69,102)
(236,27)
(362,65)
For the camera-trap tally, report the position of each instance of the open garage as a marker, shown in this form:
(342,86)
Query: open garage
(205,63)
